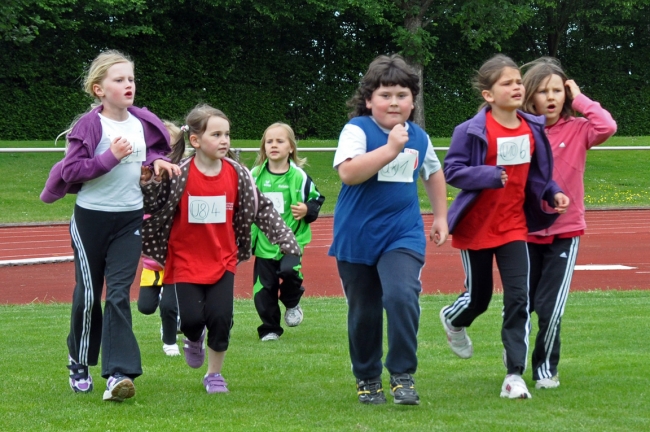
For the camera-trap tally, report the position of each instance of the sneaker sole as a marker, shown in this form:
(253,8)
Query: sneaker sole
(407,401)
(522,396)
(122,390)
(546,386)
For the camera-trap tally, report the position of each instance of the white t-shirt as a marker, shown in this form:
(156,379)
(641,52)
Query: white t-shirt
(119,189)
(352,143)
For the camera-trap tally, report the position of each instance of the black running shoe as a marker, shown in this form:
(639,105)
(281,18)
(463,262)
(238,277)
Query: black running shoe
(402,387)
(370,391)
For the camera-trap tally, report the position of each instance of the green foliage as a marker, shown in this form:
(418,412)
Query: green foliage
(303,381)
(300,60)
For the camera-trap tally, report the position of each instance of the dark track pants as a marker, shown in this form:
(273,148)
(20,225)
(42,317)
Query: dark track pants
(268,290)
(150,299)
(107,246)
(392,284)
(551,270)
(206,306)
(512,261)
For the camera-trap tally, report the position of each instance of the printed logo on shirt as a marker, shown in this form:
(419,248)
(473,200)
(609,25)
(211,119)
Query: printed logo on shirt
(137,232)
(563,255)
(283,186)
(562,145)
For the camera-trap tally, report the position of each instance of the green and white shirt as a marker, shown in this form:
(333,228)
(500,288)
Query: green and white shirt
(285,190)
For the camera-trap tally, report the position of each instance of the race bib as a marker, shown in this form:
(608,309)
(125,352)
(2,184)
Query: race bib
(277,198)
(207,209)
(513,150)
(139,152)
(399,169)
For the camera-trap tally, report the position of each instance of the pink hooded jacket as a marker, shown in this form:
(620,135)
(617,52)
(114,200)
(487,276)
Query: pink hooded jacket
(570,139)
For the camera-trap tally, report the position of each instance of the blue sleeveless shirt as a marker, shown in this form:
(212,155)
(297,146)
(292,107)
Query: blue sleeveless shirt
(375,217)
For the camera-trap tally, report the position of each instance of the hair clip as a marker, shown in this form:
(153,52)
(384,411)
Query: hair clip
(185,128)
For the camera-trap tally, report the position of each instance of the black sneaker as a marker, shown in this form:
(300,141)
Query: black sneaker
(402,387)
(370,391)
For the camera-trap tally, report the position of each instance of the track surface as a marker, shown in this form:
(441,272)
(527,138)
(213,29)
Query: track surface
(620,237)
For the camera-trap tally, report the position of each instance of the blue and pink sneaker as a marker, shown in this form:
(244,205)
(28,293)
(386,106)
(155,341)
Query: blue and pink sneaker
(80,379)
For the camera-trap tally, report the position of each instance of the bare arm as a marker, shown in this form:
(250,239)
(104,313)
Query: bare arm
(436,189)
(359,169)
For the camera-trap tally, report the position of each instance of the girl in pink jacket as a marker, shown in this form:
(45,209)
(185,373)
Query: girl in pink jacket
(553,251)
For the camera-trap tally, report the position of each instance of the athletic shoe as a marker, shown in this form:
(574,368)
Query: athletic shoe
(293,316)
(270,337)
(546,383)
(194,351)
(80,379)
(514,387)
(171,350)
(402,387)
(214,383)
(370,391)
(118,388)
(458,340)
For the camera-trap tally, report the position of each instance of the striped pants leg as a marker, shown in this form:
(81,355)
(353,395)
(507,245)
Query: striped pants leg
(551,272)
(107,247)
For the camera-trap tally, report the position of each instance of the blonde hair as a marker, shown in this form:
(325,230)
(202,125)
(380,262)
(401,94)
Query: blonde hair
(293,155)
(95,75)
(490,72)
(196,123)
(99,68)
(539,71)
(174,131)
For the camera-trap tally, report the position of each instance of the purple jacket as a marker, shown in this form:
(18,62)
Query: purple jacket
(465,169)
(80,164)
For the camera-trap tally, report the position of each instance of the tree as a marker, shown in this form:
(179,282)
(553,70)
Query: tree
(481,21)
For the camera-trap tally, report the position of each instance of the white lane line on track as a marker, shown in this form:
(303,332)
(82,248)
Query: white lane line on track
(29,261)
(603,267)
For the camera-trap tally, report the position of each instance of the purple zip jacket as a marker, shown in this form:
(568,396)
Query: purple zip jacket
(80,164)
(465,169)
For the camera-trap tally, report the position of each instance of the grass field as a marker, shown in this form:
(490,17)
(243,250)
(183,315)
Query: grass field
(303,382)
(612,179)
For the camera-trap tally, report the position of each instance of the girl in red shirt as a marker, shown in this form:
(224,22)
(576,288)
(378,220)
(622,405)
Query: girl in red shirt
(502,161)
(211,206)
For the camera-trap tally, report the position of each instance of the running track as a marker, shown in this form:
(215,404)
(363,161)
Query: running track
(613,238)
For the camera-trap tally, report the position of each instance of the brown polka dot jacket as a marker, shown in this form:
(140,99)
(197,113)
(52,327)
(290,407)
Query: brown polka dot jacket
(161,200)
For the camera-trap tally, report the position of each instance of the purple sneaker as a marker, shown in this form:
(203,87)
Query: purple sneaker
(194,351)
(118,388)
(214,383)
(80,379)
